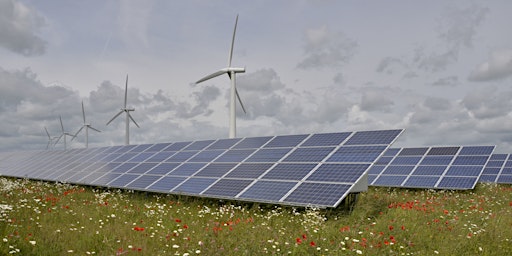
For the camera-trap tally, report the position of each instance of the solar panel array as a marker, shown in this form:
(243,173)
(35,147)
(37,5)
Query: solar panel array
(303,170)
(430,167)
(498,169)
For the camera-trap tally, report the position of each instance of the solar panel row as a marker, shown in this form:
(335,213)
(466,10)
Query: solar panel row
(498,169)
(430,167)
(304,170)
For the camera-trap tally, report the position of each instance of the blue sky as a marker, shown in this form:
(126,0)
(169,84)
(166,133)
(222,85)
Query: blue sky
(439,69)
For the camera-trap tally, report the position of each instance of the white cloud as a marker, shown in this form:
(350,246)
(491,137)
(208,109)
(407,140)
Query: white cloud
(326,49)
(498,66)
(19,25)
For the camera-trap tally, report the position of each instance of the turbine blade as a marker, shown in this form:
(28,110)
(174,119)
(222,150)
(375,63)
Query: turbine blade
(133,120)
(47,133)
(83,111)
(216,74)
(79,130)
(61,125)
(232,43)
(126,92)
(120,112)
(240,100)
(58,139)
(94,129)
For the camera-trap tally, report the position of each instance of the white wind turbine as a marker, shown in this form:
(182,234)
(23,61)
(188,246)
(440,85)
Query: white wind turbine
(128,116)
(50,138)
(87,127)
(231,71)
(63,134)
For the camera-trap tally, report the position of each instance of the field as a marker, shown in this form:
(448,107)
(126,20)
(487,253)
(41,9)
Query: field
(43,218)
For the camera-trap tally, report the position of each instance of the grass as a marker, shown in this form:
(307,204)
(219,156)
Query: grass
(42,218)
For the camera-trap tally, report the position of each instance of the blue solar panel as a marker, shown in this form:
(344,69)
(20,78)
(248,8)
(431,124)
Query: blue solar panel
(249,170)
(166,184)
(215,170)
(301,170)
(163,168)
(223,144)
(176,146)
(268,155)
(391,180)
(398,169)
(357,154)
(408,160)
(123,180)
(206,156)
(289,171)
(187,169)
(256,142)
(348,173)
(320,193)
(436,167)
(308,154)
(268,190)
(158,147)
(326,139)
(497,170)
(413,151)
(286,141)
(198,145)
(227,188)
(142,168)
(235,155)
(143,181)
(194,185)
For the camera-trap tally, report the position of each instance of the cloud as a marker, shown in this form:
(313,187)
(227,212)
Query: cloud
(460,25)
(457,29)
(377,99)
(498,66)
(488,103)
(388,64)
(326,49)
(19,25)
(446,81)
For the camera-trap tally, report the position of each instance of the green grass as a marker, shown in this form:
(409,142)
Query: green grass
(42,218)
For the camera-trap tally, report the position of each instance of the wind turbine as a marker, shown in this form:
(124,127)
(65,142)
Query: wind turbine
(231,71)
(50,138)
(87,127)
(63,134)
(128,116)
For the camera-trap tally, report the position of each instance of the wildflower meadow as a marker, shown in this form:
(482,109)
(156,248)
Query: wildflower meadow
(44,218)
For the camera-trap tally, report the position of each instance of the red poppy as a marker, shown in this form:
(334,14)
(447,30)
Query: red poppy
(177,220)
(304,236)
(298,240)
(391,227)
(137,228)
(312,244)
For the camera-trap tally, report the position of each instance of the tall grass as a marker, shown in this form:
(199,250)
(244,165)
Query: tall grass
(42,218)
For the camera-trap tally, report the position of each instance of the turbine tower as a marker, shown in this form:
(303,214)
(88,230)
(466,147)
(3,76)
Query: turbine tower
(231,71)
(64,134)
(87,127)
(128,116)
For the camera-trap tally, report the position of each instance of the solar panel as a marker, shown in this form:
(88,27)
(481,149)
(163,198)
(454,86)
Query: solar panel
(431,167)
(302,170)
(498,169)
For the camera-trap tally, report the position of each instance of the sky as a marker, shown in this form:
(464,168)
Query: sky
(441,70)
